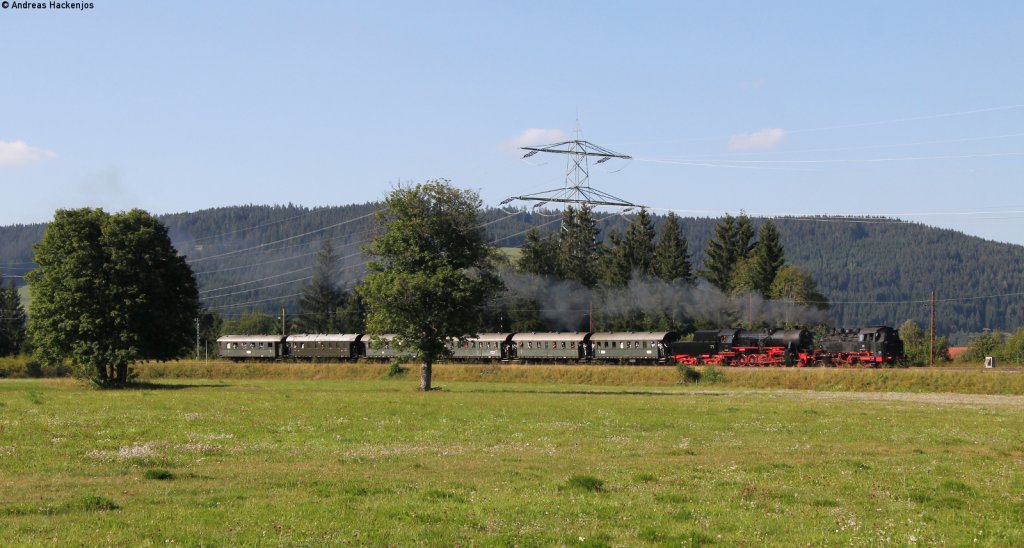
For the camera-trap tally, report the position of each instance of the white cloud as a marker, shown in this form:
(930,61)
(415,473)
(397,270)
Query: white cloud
(766,138)
(17,153)
(535,136)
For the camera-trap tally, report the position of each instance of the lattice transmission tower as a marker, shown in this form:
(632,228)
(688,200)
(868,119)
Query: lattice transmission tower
(577,189)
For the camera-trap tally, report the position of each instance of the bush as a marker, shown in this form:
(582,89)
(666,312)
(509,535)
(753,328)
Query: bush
(93,503)
(712,375)
(158,474)
(687,374)
(396,369)
(585,483)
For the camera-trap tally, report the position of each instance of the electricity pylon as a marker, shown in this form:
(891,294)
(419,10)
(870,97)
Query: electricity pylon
(577,189)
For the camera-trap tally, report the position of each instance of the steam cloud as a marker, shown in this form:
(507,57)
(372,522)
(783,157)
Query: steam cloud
(564,304)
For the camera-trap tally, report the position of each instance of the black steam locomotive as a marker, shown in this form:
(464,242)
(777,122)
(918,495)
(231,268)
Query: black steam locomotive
(873,346)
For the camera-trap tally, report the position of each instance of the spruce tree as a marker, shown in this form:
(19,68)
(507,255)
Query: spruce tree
(579,250)
(638,246)
(538,255)
(720,256)
(742,237)
(766,260)
(671,255)
(615,267)
(321,300)
(12,321)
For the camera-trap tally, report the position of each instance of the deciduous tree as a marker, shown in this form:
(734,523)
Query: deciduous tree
(251,323)
(794,285)
(432,272)
(110,290)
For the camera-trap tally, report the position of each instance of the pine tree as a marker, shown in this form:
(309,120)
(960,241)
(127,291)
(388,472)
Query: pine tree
(720,255)
(615,267)
(353,313)
(579,250)
(12,321)
(671,256)
(539,255)
(742,237)
(638,246)
(766,259)
(321,299)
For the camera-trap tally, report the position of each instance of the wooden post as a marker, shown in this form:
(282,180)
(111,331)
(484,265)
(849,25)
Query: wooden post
(931,340)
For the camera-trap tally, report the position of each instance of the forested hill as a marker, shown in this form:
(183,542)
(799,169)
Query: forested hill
(876,271)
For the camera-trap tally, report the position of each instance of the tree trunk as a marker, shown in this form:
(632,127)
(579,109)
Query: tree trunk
(425,371)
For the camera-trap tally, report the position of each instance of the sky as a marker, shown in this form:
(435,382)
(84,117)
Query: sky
(907,109)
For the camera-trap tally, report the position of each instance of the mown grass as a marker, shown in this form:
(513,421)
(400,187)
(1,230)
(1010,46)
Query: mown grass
(375,462)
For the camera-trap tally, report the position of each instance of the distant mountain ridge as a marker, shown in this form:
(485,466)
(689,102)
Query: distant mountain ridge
(875,270)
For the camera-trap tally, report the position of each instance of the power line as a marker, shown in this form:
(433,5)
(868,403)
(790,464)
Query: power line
(846,126)
(248,228)
(193,261)
(363,263)
(733,163)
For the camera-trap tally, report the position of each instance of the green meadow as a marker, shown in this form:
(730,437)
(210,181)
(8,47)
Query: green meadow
(372,461)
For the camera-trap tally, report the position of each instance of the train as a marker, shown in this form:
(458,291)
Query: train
(867,346)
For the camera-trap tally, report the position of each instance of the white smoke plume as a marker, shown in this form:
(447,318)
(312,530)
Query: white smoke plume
(566,304)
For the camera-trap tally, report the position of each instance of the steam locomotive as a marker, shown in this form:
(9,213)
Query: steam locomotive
(874,346)
(870,346)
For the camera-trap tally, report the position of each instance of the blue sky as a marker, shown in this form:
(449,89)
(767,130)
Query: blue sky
(912,109)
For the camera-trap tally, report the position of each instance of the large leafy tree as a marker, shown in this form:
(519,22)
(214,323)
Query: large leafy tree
(109,290)
(433,272)
(917,345)
(251,323)
(794,285)
(12,321)
(322,301)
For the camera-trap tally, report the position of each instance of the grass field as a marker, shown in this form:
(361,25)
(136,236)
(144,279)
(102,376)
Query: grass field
(495,463)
